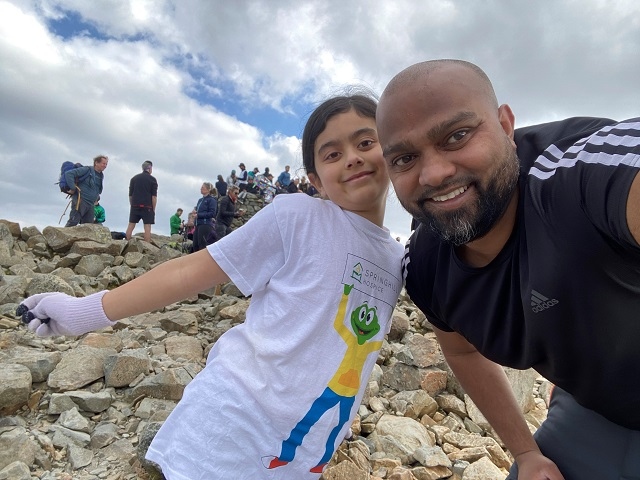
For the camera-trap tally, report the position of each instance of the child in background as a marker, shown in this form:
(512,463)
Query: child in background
(279,391)
(98,212)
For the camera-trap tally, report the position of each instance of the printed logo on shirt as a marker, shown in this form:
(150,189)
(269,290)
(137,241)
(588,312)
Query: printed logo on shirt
(540,303)
(371,279)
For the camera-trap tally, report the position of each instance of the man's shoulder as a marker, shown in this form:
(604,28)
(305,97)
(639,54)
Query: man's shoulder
(533,140)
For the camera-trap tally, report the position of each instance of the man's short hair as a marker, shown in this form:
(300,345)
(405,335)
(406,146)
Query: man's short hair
(146,165)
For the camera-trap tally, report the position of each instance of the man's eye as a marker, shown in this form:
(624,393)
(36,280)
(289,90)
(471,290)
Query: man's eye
(402,161)
(365,143)
(457,137)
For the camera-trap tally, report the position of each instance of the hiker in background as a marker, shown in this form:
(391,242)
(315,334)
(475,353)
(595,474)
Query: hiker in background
(312,191)
(190,226)
(284,179)
(304,372)
(227,212)
(143,194)
(85,192)
(242,177)
(175,222)
(98,212)
(221,186)
(206,210)
(250,187)
(232,179)
(303,186)
(293,186)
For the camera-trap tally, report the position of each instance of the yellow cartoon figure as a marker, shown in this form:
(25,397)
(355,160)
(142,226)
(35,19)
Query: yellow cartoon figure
(343,386)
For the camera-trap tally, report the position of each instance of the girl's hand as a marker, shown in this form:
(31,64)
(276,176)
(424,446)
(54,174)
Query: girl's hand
(52,313)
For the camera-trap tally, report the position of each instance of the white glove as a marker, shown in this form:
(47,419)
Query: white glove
(61,314)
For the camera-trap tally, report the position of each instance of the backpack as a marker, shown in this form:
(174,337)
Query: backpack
(62,182)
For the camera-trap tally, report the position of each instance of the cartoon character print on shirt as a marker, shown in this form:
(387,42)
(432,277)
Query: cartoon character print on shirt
(343,386)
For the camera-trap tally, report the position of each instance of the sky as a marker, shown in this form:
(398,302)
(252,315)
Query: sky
(198,86)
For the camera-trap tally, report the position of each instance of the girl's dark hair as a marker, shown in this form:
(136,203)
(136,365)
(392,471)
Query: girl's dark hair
(363,103)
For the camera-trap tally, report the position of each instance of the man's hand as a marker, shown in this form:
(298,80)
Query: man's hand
(533,465)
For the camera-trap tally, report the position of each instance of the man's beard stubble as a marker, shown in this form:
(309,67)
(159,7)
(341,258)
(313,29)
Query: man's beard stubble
(474,222)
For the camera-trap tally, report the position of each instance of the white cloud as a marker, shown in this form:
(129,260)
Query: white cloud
(125,95)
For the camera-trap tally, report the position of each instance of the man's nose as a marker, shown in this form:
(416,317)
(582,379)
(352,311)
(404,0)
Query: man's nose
(435,169)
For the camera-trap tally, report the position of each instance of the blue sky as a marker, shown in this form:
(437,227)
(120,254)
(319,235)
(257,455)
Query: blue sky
(199,86)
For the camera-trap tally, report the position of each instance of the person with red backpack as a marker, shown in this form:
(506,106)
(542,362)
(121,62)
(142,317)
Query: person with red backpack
(85,186)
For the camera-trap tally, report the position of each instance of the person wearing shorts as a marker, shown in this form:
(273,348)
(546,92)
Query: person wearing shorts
(143,194)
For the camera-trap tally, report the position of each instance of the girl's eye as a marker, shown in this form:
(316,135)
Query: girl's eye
(457,137)
(366,143)
(332,156)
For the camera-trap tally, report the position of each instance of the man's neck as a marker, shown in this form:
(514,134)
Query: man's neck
(481,252)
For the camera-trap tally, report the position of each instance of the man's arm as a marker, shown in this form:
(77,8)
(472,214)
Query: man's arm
(70,177)
(487,385)
(153,202)
(633,208)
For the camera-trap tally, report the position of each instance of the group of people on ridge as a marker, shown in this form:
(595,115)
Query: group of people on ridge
(210,219)
(85,186)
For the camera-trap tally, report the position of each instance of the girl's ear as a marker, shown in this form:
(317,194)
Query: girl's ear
(315,181)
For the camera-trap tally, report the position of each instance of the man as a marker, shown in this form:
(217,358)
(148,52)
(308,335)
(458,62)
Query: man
(85,193)
(293,186)
(284,179)
(227,212)
(252,186)
(232,179)
(175,222)
(527,264)
(143,194)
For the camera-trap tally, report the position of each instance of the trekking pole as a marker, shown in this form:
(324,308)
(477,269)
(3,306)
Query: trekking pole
(65,211)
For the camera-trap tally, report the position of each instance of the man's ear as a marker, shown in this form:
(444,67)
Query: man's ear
(507,119)
(315,181)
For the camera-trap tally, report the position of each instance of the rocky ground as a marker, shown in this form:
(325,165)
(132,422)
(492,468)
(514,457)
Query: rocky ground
(86,407)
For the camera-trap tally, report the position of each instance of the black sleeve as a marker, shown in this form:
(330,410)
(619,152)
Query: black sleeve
(535,139)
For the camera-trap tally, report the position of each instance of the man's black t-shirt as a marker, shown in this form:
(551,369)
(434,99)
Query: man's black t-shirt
(141,188)
(563,295)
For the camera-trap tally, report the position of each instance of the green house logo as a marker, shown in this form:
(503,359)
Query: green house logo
(356,273)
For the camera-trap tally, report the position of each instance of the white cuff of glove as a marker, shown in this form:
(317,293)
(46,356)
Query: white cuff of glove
(68,315)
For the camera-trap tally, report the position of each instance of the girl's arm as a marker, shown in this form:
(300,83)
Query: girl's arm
(61,314)
(165,284)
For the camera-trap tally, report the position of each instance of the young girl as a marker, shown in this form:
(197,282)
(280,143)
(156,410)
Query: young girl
(279,391)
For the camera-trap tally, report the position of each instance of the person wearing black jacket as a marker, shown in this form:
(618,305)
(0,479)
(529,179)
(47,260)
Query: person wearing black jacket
(206,210)
(221,186)
(227,212)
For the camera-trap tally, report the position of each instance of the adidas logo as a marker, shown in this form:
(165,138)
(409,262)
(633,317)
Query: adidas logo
(539,302)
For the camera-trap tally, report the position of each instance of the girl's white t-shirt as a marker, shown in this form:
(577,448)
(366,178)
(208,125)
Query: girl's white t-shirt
(300,338)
